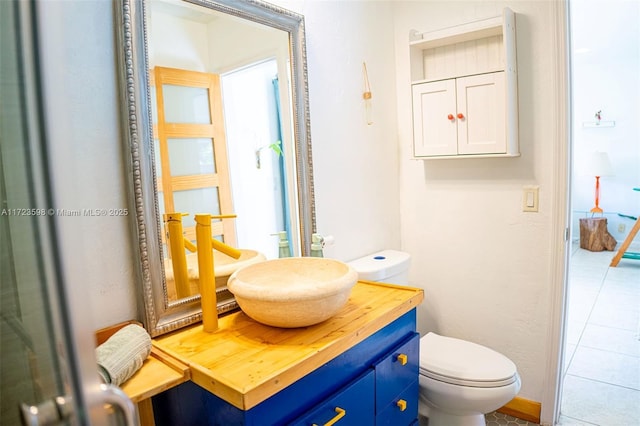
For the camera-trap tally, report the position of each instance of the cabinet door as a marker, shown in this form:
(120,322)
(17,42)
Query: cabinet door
(481,101)
(434,133)
(352,406)
(396,371)
(403,409)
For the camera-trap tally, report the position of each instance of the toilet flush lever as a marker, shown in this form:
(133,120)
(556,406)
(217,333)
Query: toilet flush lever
(402,359)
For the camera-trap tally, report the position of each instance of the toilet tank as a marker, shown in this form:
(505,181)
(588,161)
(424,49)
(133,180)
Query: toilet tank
(389,266)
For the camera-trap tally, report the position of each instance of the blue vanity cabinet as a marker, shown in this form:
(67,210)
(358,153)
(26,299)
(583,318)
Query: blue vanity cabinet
(391,398)
(375,382)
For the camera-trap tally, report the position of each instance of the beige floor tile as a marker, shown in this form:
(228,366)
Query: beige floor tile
(607,367)
(569,421)
(611,339)
(599,403)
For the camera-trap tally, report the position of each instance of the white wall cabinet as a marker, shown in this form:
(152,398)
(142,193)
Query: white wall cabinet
(464,90)
(463,116)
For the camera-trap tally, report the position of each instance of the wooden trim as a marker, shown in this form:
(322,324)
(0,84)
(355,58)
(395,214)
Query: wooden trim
(180,77)
(104,334)
(222,159)
(189,130)
(162,144)
(189,182)
(522,408)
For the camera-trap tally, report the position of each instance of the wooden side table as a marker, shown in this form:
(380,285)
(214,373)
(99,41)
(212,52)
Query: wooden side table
(594,235)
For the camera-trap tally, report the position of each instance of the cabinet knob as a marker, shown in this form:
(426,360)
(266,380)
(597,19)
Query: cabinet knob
(460,115)
(402,404)
(402,359)
(450,116)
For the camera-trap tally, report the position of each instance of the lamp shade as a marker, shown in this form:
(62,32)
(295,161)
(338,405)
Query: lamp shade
(599,165)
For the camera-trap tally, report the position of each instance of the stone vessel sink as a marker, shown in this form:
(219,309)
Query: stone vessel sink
(293,292)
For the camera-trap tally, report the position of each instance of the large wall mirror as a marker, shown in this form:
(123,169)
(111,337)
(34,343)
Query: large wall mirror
(215,105)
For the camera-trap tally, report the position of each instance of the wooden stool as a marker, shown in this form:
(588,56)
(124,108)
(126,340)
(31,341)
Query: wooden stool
(594,235)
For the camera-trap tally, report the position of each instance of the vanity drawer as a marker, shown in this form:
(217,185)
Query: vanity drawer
(396,371)
(353,405)
(403,410)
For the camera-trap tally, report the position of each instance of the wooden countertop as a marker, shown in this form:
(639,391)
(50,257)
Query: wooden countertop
(245,362)
(158,373)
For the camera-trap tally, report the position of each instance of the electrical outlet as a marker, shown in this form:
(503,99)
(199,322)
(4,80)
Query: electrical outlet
(621,227)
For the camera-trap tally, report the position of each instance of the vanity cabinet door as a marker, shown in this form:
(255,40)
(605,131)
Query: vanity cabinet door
(397,384)
(353,405)
(396,371)
(402,410)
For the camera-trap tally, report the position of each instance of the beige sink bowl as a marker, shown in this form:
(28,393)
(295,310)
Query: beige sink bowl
(293,292)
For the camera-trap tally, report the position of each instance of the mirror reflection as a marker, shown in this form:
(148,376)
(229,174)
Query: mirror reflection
(227,135)
(223,137)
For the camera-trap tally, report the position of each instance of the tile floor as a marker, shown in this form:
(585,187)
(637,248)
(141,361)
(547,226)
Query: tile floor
(499,419)
(602,357)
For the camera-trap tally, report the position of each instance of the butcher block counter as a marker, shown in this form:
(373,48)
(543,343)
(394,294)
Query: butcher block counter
(245,363)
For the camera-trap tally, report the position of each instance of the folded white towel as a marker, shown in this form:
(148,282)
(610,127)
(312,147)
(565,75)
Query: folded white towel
(123,354)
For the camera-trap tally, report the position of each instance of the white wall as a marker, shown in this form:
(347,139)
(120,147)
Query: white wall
(177,42)
(87,157)
(355,165)
(484,264)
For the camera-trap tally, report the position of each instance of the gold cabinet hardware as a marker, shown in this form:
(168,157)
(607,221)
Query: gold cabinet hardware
(341,413)
(402,358)
(402,404)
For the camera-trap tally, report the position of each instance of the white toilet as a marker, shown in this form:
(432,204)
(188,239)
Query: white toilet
(460,381)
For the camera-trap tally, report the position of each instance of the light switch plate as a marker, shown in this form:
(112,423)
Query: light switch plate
(530,198)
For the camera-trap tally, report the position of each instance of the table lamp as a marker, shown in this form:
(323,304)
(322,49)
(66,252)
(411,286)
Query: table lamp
(599,165)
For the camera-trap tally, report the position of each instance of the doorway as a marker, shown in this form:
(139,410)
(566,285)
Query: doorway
(255,148)
(601,372)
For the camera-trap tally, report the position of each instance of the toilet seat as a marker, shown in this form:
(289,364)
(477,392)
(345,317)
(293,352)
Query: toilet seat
(463,363)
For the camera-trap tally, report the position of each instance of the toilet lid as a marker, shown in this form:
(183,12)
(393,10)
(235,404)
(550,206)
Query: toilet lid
(464,363)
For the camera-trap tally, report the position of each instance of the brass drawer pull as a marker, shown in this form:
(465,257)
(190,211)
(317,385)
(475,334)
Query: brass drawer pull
(341,413)
(402,404)
(402,358)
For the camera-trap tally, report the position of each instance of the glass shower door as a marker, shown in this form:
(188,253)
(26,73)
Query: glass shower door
(41,378)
